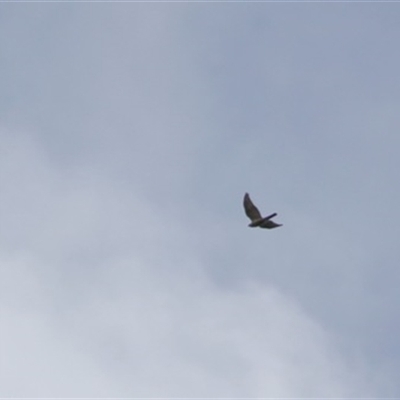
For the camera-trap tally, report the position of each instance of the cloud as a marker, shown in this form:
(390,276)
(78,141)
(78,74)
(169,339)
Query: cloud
(102,296)
(39,360)
(129,137)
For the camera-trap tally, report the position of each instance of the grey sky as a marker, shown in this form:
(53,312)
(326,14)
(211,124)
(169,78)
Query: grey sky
(129,133)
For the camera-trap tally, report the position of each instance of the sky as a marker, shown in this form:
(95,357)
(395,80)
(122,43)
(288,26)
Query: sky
(129,133)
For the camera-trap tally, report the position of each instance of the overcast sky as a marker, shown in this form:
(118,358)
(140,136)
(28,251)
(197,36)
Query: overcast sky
(130,132)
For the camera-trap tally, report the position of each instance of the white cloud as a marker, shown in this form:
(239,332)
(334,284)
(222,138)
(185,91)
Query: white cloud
(122,234)
(102,296)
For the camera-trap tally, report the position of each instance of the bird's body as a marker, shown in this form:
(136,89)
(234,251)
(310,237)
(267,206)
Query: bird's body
(255,216)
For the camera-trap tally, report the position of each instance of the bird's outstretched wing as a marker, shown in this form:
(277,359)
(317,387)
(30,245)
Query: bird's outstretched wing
(250,209)
(270,216)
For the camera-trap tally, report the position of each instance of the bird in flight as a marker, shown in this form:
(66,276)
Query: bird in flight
(255,215)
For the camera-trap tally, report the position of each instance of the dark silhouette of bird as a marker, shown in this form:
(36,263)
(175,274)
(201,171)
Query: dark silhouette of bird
(256,219)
